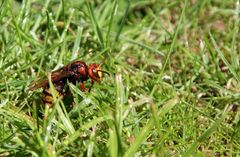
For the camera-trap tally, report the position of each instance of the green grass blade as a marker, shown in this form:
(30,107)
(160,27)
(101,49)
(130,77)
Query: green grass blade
(176,33)
(146,130)
(122,21)
(63,117)
(86,126)
(113,143)
(120,94)
(235,32)
(95,24)
(114,10)
(220,53)
(75,51)
(207,133)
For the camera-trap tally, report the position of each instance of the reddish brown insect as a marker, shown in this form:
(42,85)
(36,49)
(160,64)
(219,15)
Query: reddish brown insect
(74,72)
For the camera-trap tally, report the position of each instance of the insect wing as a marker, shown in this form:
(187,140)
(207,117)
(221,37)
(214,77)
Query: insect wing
(38,84)
(55,77)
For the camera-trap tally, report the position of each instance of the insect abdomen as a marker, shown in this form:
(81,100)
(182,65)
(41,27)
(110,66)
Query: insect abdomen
(47,97)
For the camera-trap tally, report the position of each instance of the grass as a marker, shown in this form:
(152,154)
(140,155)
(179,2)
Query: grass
(173,89)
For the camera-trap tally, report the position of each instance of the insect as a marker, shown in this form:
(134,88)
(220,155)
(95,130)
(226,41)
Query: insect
(74,72)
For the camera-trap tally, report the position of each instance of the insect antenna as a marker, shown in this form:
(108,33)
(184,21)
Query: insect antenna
(104,72)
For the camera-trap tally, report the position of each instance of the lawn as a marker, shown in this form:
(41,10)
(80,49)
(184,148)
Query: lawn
(173,88)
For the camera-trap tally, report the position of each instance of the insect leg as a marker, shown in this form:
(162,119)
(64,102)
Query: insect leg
(92,82)
(82,87)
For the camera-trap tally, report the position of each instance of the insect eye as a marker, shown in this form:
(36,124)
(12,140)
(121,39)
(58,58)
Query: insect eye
(100,74)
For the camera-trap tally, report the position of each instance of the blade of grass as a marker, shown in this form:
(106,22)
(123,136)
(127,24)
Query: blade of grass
(91,144)
(122,22)
(120,94)
(77,42)
(113,143)
(221,55)
(207,133)
(146,130)
(95,24)
(63,117)
(86,126)
(167,60)
(39,18)
(152,49)
(63,36)
(1,5)
(234,55)
(114,10)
